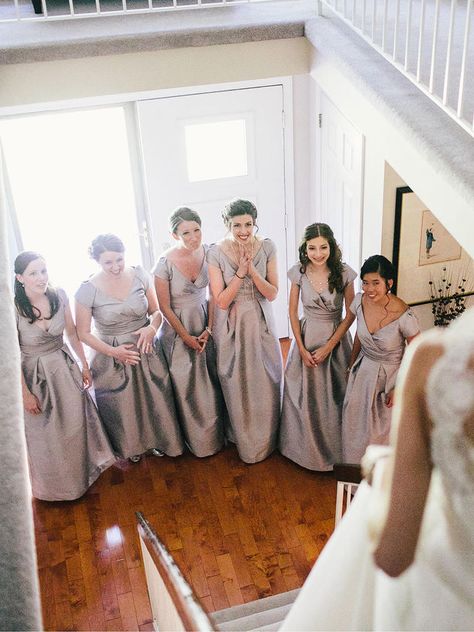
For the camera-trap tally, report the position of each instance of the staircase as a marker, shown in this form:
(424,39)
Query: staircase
(262,615)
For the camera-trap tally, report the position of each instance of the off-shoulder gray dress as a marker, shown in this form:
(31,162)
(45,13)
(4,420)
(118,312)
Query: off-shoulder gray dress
(198,394)
(310,432)
(249,362)
(136,402)
(67,445)
(366,418)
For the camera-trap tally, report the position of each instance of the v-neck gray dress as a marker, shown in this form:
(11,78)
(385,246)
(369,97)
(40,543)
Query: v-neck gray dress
(136,402)
(67,445)
(310,432)
(249,362)
(198,394)
(366,418)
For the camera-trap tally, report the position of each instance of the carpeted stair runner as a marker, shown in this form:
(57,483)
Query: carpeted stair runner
(263,614)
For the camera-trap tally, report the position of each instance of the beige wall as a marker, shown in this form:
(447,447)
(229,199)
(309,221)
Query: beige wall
(391,181)
(41,82)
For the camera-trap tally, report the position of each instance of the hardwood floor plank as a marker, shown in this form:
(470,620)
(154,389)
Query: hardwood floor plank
(127,611)
(218,593)
(140,596)
(114,625)
(64,620)
(238,532)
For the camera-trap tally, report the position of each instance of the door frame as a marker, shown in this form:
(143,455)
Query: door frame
(130,98)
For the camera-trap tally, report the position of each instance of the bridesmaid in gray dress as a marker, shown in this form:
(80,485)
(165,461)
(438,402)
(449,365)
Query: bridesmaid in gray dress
(181,282)
(244,280)
(315,376)
(67,445)
(385,325)
(131,379)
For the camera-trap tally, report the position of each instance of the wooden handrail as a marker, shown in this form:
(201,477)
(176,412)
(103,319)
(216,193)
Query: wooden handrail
(348,472)
(188,607)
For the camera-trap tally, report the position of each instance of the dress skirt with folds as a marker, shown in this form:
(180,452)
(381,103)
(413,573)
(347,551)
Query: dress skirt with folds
(310,432)
(366,418)
(198,395)
(67,444)
(249,362)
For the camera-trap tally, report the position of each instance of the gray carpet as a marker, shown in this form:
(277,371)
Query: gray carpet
(19,593)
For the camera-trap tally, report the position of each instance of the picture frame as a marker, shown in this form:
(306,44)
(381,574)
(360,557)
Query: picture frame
(422,248)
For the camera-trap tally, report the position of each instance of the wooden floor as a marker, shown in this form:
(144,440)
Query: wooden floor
(238,532)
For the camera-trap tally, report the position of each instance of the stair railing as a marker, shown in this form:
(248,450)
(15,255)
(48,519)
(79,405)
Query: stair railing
(173,603)
(429,42)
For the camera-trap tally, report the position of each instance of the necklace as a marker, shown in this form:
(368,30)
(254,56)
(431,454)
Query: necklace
(318,284)
(237,249)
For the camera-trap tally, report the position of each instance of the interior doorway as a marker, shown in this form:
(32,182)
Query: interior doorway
(202,150)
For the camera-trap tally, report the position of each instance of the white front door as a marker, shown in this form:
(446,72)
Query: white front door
(341,180)
(202,150)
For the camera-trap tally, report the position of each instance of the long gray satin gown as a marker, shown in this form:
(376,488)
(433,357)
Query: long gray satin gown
(249,362)
(136,402)
(310,432)
(366,418)
(198,394)
(67,445)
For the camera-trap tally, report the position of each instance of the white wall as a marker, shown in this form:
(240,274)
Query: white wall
(385,144)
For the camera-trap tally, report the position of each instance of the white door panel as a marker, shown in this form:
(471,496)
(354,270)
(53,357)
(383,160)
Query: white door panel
(341,180)
(203,150)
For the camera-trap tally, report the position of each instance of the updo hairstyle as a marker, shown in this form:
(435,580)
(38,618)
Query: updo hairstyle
(105,243)
(238,207)
(22,302)
(334,262)
(378,264)
(182,214)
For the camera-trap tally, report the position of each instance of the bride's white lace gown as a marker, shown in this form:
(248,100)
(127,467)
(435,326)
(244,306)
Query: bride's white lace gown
(345,591)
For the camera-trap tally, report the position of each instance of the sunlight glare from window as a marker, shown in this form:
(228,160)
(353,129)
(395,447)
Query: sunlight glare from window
(216,150)
(71,180)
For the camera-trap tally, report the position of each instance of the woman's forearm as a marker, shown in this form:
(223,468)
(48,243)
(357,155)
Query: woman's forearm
(341,331)
(174,321)
(355,351)
(265,288)
(228,294)
(77,347)
(95,343)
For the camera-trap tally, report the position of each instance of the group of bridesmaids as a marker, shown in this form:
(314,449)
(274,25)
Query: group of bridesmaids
(176,365)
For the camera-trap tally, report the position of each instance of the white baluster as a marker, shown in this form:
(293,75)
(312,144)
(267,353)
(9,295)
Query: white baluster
(434,46)
(462,76)
(420,39)
(407,37)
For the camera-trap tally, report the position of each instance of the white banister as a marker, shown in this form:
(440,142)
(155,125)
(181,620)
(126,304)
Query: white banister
(427,29)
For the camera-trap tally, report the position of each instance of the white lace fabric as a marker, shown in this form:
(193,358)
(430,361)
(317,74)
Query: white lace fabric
(450,399)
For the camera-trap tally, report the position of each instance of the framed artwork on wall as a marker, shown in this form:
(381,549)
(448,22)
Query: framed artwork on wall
(425,253)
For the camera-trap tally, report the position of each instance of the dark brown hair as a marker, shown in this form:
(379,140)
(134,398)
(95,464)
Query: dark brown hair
(22,302)
(334,262)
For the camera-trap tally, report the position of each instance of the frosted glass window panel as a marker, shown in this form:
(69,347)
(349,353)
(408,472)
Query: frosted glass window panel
(216,150)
